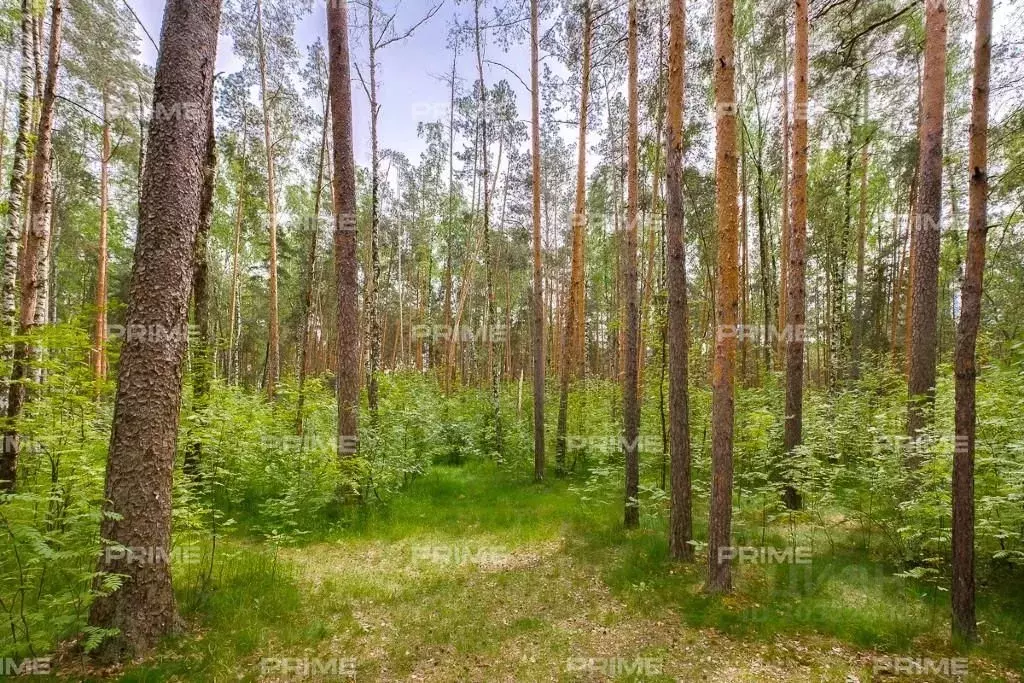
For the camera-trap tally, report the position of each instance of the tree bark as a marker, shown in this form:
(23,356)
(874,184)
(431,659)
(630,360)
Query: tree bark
(784,222)
(538,282)
(573,338)
(146,408)
(722,407)
(233,324)
(373,290)
(274,332)
(34,264)
(681,517)
(492,366)
(448,368)
(743,322)
(925,250)
(763,248)
(307,294)
(796,271)
(99,367)
(857,336)
(345,237)
(964,624)
(630,400)
(16,203)
(3,106)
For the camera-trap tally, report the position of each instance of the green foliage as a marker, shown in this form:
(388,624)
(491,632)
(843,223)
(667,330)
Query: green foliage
(50,525)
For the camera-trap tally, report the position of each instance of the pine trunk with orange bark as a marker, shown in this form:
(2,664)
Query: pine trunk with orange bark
(726,304)
(572,345)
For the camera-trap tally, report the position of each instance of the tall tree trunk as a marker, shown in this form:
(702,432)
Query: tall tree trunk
(538,282)
(99,367)
(784,222)
(652,232)
(681,518)
(448,369)
(763,264)
(743,324)
(722,407)
(630,400)
(912,230)
(925,259)
(307,293)
(16,202)
(488,265)
(202,350)
(34,261)
(373,289)
(146,408)
(274,331)
(3,106)
(573,339)
(857,337)
(964,625)
(837,284)
(796,271)
(233,326)
(345,238)
(901,283)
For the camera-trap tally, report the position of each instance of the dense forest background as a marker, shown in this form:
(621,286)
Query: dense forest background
(503,245)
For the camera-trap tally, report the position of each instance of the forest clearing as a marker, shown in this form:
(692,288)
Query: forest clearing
(512,340)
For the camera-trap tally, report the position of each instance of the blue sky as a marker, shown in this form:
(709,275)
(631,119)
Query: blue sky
(412,73)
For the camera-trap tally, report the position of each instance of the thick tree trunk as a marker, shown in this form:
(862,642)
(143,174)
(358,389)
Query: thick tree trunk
(925,249)
(572,345)
(722,407)
(796,271)
(630,400)
(274,331)
(345,238)
(538,282)
(146,409)
(964,625)
(681,517)
(34,264)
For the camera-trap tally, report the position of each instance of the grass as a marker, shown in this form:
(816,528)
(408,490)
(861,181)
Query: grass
(477,574)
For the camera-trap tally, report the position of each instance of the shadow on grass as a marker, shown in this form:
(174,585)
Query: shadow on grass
(839,595)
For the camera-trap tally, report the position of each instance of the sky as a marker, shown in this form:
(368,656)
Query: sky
(411,74)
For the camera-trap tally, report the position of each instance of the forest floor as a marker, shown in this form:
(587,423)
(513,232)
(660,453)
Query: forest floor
(473,574)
